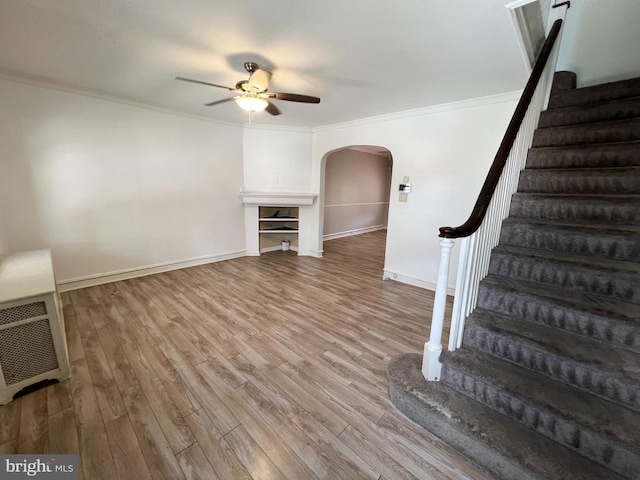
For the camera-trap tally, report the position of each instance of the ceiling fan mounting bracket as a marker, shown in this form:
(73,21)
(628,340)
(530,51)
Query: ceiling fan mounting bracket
(251,67)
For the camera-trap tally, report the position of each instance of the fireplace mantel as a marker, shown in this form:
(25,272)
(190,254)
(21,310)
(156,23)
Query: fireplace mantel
(300,202)
(278,198)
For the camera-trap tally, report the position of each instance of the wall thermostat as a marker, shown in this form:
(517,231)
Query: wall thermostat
(405,187)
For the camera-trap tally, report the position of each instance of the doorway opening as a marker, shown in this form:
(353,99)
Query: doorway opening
(355,200)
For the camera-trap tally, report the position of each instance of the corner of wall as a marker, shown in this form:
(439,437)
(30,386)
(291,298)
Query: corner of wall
(416,282)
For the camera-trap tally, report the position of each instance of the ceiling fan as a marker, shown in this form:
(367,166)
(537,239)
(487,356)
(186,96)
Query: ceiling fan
(253,95)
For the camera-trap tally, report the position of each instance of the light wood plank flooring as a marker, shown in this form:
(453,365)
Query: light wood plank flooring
(256,368)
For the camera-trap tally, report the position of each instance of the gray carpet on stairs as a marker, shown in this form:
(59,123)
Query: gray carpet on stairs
(553,347)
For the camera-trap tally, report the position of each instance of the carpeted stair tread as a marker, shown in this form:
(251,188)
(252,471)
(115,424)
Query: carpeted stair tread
(589,181)
(563,80)
(594,427)
(617,209)
(500,445)
(593,316)
(609,241)
(611,373)
(550,361)
(614,278)
(596,94)
(614,154)
(596,112)
(589,133)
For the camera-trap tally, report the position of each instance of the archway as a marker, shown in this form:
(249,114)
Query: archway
(356,187)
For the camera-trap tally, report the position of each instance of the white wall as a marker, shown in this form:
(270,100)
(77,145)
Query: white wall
(111,187)
(3,241)
(277,159)
(356,192)
(446,151)
(600,41)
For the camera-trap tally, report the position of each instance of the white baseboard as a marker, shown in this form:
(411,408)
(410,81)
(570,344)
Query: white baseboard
(416,282)
(101,278)
(349,233)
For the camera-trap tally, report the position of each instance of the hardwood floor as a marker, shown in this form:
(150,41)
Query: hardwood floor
(258,368)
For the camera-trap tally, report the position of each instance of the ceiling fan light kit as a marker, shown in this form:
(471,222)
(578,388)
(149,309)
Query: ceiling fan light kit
(252,102)
(253,95)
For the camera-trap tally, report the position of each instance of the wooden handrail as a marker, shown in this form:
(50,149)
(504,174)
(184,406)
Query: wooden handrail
(488,188)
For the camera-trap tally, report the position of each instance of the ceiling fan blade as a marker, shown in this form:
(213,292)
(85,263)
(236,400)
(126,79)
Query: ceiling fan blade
(218,102)
(205,83)
(259,80)
(272,109)
(293,97)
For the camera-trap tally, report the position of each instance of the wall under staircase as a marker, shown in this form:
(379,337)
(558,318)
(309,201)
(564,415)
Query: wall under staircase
(547,384)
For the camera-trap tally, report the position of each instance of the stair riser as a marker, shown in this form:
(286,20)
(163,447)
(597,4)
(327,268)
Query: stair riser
(575,210)
(514,350)
(528,307)
(592,183)
(587,134)
(617,247)
(572,277)
(548,423)
(601,93)
(608,155)
(620,110)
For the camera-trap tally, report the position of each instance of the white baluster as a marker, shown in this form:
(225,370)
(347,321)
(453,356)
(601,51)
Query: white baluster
(475,252)
(432,349)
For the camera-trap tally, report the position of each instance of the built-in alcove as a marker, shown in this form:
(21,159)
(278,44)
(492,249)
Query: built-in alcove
(276,225)
(271,218)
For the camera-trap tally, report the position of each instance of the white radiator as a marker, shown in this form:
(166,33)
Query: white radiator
(32,343)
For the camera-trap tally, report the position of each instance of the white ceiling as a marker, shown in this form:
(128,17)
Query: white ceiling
(361,57)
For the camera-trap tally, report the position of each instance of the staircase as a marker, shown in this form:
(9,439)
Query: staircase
(547,384)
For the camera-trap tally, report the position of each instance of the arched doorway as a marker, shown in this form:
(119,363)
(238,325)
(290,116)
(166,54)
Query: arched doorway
(356,191)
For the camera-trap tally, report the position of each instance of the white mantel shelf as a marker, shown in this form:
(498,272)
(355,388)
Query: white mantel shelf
(278,198)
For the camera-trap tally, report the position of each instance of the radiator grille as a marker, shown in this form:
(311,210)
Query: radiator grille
(26,351)
(22,312)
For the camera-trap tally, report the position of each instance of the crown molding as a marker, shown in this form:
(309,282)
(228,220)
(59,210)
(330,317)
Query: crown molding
(424,111)
(40,82)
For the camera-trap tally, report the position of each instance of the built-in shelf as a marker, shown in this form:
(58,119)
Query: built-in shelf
(266,230)
(275,224)
(278,230)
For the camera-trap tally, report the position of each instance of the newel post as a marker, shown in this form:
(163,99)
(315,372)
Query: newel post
(432,349)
